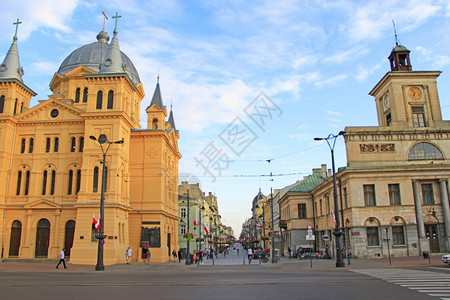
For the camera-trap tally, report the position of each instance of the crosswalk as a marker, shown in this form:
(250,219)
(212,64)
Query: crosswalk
(431,283)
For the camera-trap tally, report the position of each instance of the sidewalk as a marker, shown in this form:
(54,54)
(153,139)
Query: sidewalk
(230,260)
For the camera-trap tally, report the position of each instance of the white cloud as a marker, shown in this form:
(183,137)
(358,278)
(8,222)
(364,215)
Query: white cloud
(331,81)
(335,113)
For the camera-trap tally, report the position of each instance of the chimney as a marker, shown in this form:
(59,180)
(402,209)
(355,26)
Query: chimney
(324,170)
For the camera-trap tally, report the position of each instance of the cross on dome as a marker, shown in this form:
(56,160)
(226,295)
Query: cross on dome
(17,26)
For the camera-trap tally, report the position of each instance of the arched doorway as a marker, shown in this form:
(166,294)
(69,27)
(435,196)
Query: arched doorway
(42,238)
(16,234)
(68,238)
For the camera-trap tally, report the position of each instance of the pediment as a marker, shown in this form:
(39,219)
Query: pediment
(42,204)
(43,111)
(80,70)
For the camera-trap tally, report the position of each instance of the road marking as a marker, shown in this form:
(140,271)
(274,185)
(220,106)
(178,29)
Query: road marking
(430,283)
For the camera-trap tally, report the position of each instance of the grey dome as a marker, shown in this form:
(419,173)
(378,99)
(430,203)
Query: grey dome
(91,56)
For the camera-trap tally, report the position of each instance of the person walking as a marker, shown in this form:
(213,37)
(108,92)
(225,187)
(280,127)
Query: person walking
(179,255)
(174,254)
(144,254)
(128,254)
(149,255)
(289,251)
(62,259)
(250,255)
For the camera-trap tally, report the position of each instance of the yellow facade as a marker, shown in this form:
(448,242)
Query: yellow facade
(52,169)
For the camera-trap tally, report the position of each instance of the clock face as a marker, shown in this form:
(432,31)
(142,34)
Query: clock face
(386,101)
(415,93)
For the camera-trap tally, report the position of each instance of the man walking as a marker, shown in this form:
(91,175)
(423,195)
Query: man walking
(61,259)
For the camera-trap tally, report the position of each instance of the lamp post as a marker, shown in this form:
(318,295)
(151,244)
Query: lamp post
(337,231)
(102,139)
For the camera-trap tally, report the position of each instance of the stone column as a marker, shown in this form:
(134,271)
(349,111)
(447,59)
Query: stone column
(423,242)
(446,211)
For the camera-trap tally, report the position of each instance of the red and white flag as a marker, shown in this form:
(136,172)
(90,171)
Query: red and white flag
(93,219)
(259,226)
(195,222)
(334,218)
(97,223)
(206,229)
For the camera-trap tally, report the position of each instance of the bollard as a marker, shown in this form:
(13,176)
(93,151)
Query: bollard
(243,260)
(348,257)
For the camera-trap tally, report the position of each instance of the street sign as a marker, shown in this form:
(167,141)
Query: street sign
(309,227)
(325,238)
(310,237)
(309,232)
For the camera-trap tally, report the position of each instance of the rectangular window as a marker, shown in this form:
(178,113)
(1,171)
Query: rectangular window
(418,117)
(321,210)
(372,236)
(183,229)
(369,194)
(394,194)
(183,213)
(302,211)
(398,237)
(388,119)
(427,194)
(345,197)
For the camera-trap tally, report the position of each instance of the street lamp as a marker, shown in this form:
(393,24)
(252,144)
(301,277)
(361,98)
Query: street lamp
(337,231)
(102,139)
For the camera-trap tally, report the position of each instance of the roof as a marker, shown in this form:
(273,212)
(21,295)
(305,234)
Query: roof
(307,184)
(92,55)
(157,99)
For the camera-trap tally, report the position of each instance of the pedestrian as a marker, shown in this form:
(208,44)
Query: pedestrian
(194,256)
(174,254)
(128,254)
(250,255)
(149,255)
(237,251)
(179,255)
(61,259)
(144,254)
(289,251)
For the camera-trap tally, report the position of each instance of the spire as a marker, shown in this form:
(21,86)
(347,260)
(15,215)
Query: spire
(171,120)
(399,57)
(10,68)
(113,57)
(157,99)
(103,37)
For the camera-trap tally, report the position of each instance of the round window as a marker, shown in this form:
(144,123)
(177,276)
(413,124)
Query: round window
(54,113)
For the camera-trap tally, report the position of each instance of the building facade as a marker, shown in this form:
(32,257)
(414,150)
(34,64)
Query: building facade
(393,193)
(51,161)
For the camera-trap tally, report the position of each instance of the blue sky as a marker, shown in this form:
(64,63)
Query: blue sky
(314,62)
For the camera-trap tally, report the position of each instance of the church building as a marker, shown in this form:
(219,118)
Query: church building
(84,143)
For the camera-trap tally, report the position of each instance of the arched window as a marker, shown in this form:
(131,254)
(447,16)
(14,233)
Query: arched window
(73,145)
(95,181)
(22,146)
(2,103)
(78,181)
(27,182)
(21,107)
(69,187)
(155,124)
(85,95)
(31,145)
(19,181)
(52,186)
(81,145)
(15,107)
(47,146)
(424,151)
(77,95)
(56,145)
(99,100)
(110,100)
(44,183)
(16,234)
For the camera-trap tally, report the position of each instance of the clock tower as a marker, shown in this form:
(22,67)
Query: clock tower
(406,98)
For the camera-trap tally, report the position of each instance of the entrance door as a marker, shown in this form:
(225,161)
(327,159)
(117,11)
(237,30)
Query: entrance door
(68,239)
(14,243)
(42,238)
(432,236)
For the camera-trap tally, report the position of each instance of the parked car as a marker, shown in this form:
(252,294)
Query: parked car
(446,259)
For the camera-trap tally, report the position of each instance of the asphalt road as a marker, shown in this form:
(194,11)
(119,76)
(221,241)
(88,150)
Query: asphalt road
(220,282)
